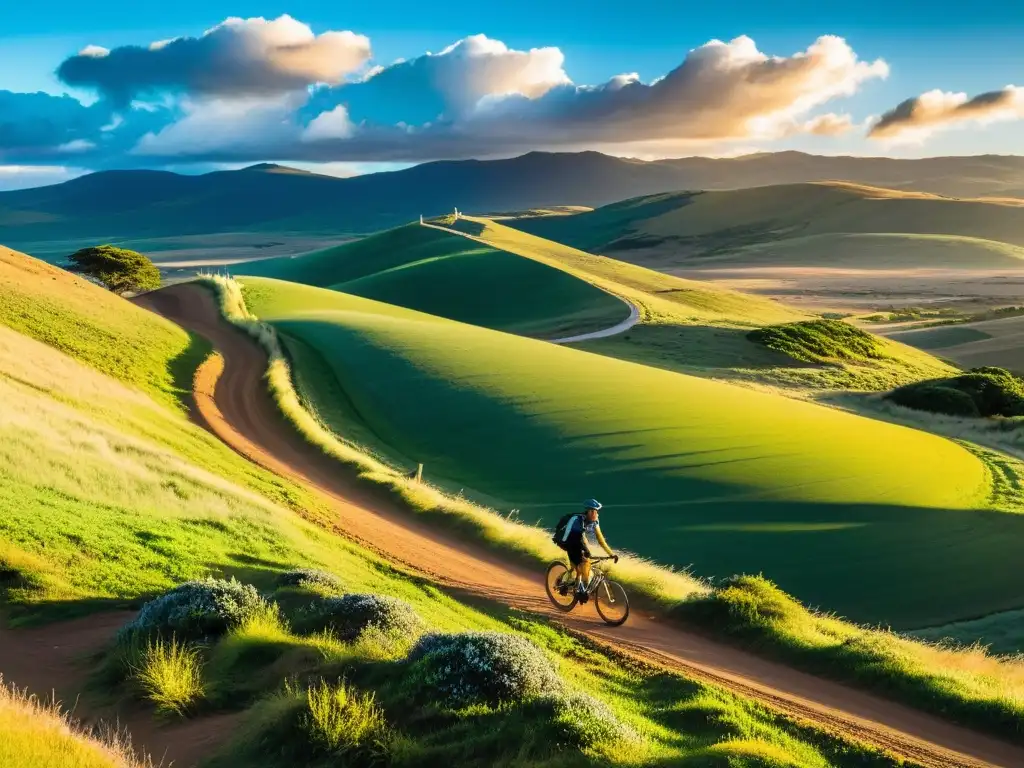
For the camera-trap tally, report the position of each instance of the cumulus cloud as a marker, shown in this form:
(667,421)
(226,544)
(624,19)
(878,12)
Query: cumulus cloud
(334,124)
(917,118)
(450,84)
(242,92)
(237,57)
(721,91)
(210,125)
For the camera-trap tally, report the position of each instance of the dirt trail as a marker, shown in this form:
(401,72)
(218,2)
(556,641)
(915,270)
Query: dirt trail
(232,401)
(54,660)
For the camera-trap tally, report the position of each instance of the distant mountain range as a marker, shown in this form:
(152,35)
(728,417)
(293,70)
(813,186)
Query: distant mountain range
(272,198)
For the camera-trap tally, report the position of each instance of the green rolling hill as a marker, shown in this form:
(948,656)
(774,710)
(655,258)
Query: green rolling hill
(802,225)
(442,273)
(843,511)
(483,272)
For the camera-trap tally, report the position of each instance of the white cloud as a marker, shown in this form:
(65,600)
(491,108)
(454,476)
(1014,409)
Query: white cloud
(237,57)
(334,124)
(94,52)
(916,119)
(218,125)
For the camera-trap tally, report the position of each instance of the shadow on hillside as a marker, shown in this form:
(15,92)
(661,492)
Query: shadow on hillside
(182,369)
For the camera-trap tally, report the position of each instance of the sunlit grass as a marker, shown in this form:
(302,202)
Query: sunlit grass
(170,674)
(34,734)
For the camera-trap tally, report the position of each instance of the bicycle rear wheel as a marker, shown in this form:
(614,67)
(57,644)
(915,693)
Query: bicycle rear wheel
(561,588)
(611,603)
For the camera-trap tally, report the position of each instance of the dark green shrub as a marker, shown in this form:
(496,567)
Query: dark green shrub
(349,616)
(979,392)
(820,341)
(118,269)
(481,668)
(196,610)
(743,605)
(936,399)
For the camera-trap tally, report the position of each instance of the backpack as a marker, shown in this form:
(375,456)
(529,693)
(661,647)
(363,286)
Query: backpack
(561,527)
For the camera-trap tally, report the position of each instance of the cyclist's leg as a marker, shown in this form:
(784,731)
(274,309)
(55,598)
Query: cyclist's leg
(584,569)
(574,548)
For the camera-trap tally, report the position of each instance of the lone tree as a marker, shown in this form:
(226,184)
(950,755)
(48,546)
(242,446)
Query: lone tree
(119,269)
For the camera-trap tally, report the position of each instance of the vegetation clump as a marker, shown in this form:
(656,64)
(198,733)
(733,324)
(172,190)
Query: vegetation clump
(981,392)
(582,721)
(118,269)
(345,723)
(351,615)
(197,610)
(310,578)
(170,675)
(820,341)
(482,668)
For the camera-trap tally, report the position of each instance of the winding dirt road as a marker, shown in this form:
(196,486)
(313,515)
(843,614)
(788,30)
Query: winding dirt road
(232,402)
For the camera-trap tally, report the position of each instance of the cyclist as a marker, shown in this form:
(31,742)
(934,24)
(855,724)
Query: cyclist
(582,531)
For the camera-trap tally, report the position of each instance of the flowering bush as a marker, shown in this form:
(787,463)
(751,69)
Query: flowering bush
(312,578)
(482,667)
(197,609)
(349,616)
(582,720)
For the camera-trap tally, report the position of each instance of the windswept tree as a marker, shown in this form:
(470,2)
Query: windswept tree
(119,269)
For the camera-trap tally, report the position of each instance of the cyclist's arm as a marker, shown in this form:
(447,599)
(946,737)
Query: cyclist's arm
(600,540)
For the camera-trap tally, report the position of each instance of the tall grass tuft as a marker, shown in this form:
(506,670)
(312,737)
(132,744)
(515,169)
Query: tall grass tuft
(170,675)
(35,734)
(345,723)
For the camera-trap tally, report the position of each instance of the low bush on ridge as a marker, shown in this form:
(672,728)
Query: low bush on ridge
(820,341)
(581,720)
(196,610)
(349,616)
(481,668)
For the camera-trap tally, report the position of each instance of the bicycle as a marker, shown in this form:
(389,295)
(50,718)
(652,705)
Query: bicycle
(609,597)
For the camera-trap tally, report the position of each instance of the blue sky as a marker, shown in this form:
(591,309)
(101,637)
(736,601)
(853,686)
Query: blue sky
(974,50)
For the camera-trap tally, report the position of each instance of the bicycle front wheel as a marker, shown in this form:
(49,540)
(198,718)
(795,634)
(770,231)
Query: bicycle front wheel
(560,586)
(611,603)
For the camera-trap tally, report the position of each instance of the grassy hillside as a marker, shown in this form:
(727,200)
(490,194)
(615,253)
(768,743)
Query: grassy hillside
(448,275)
(832,224)
(702,328)
(109,497)
(692,471)
(72,315)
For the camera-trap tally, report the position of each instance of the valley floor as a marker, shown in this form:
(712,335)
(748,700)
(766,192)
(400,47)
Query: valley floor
(862,291)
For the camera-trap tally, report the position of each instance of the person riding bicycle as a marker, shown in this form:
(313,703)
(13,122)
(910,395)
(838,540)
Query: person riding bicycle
(581,531)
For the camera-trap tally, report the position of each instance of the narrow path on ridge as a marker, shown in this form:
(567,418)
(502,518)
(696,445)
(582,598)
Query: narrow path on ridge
(233,402)
(625,325)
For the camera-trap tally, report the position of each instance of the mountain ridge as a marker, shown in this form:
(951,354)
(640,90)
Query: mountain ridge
(268,197)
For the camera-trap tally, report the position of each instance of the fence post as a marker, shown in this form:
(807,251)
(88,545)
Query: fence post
(419,473)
